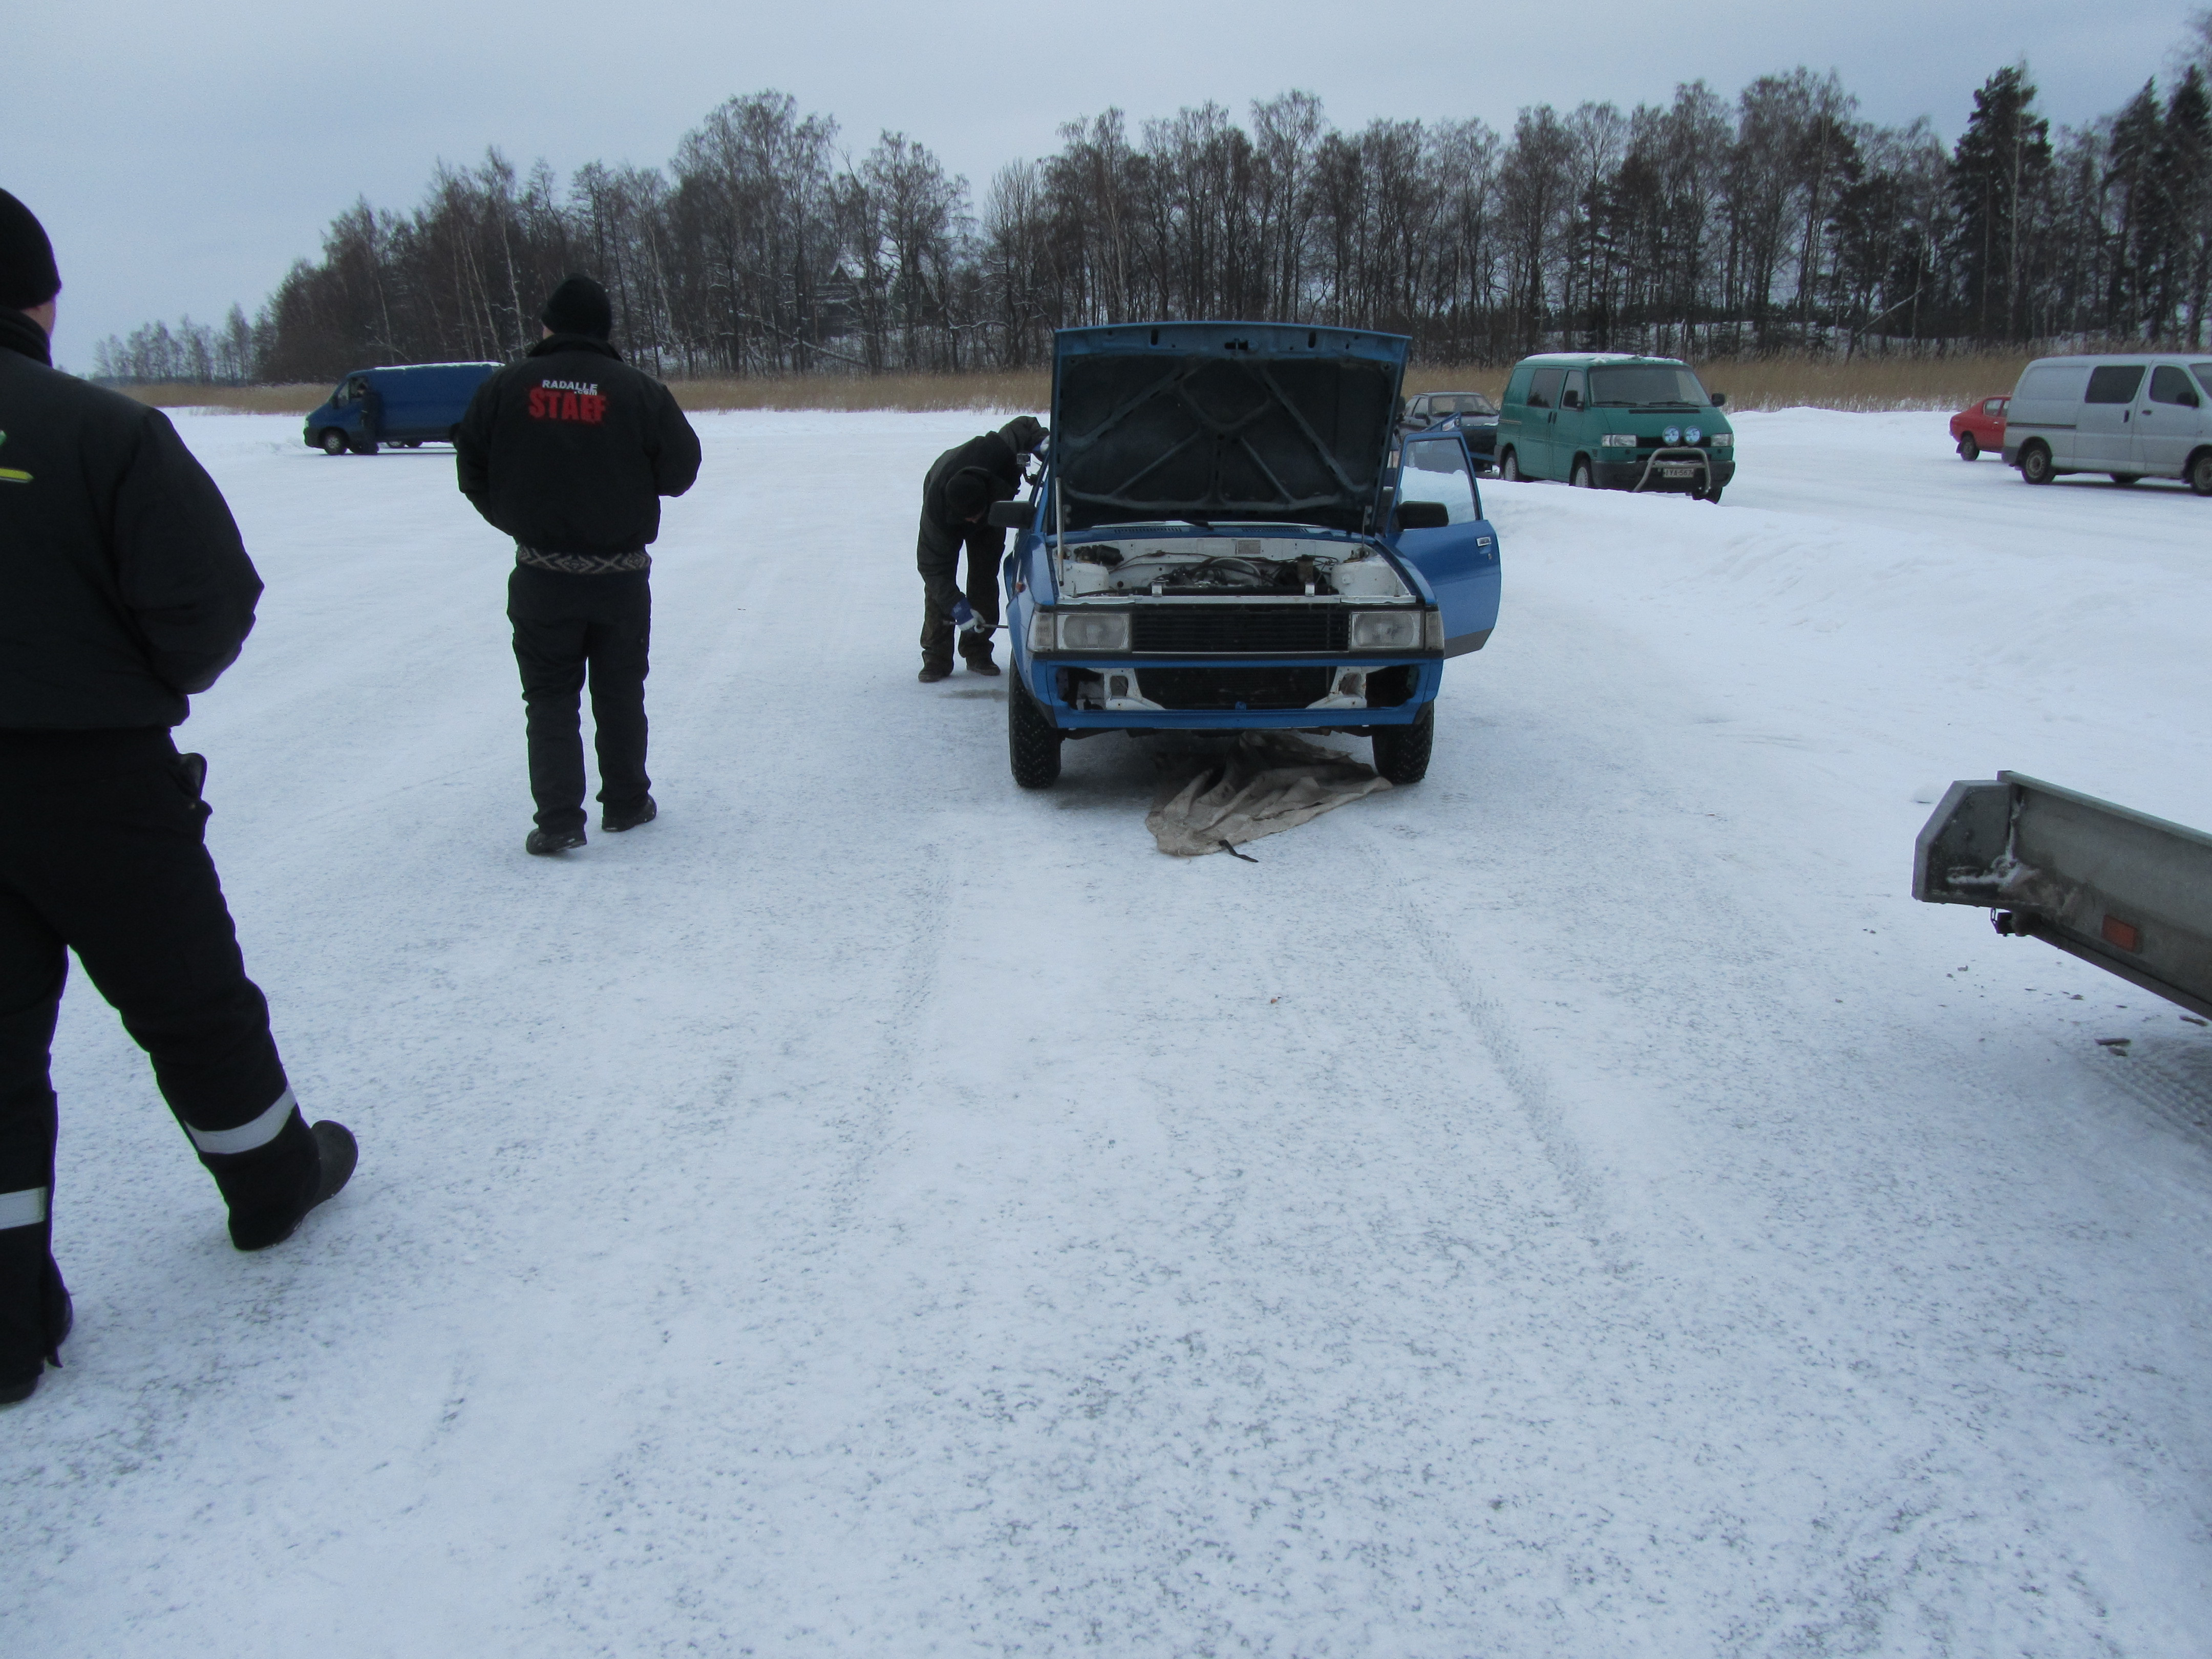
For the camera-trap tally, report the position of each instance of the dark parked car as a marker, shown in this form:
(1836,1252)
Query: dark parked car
(1471,414)
(1979,429)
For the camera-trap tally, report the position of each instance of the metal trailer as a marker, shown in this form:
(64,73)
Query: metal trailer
(2127,891)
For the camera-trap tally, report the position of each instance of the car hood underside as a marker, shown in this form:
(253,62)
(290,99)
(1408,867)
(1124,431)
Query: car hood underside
(1234,423)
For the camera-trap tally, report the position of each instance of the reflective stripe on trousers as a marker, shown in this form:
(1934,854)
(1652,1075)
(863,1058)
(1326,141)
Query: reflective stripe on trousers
(25,1209)
(247,1137)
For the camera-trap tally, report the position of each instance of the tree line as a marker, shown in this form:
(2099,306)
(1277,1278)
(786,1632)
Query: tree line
(1779,222)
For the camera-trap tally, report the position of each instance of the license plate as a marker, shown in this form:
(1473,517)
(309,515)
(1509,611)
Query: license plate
(1677,472)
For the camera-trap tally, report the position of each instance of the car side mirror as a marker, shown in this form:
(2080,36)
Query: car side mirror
(1423,515)
(1720,399)
(1013,515)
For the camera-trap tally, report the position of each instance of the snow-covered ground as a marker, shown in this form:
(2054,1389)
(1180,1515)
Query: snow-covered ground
(1577,1206)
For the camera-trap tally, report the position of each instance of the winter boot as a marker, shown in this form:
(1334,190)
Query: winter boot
(272,1188)
(57,1317)
(545,842)
(615,820)
(934,672)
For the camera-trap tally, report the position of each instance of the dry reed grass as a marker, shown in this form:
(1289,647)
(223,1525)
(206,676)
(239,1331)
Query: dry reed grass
(238,400)
(1861,383)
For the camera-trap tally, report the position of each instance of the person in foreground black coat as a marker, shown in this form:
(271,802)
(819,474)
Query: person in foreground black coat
(956,494)
(124,590)
(569,452)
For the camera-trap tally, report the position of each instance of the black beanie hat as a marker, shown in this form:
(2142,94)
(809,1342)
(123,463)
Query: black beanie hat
(967,493)
(579,305)
(27,277)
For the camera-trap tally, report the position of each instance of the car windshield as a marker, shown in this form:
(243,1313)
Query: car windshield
(1647,385)
(1467,403)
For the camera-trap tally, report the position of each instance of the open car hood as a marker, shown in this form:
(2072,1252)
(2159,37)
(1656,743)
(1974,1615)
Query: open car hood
(1234,421)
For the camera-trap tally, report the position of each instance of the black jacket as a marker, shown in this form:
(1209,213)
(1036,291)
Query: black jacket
(124,585)
(570,450)
(992,457)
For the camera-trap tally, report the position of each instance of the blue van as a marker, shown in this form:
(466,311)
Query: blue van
(1230,534)
(401,406)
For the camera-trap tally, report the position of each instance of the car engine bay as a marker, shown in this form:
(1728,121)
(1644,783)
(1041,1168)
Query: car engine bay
(1276,567)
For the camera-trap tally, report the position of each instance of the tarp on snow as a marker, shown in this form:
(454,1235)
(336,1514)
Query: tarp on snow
(1270,782)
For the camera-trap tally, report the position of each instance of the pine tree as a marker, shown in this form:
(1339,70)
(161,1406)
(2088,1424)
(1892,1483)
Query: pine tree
(1998,173)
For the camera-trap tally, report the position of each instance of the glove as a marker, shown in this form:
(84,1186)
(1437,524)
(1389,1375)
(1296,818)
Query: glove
(963,616)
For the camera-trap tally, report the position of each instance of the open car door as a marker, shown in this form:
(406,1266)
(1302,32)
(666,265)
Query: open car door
(1459,561)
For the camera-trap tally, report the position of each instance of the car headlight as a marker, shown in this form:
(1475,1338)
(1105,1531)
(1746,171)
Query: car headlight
(1039,630)
(1723,441)
(1104,631)
(1618,440)
(1673,434)
(1386,630)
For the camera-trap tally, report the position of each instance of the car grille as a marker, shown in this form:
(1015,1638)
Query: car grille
(1228,687)
(1204,629)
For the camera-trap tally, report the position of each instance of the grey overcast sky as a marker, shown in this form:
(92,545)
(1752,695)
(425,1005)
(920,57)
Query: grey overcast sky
(182,157)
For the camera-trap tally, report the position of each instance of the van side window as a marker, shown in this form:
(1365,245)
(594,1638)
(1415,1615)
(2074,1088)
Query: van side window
(1544,390)
(1438,473)
(2114,383)
(2168,385)
(1572,396)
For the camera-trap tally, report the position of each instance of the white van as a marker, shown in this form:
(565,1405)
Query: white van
(2146,415)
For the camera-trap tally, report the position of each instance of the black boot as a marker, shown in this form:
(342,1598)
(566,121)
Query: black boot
(615,820)
(543,842)
(59,1317)
(272,1188)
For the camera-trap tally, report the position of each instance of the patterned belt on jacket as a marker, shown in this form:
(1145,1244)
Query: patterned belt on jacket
(583,564)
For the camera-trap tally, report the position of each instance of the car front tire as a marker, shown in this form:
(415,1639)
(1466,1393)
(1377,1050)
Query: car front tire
(332,442)
(1581,479)
(1401,752)
(1032,740)
(1968,449)
(2035,464)
(1509,467)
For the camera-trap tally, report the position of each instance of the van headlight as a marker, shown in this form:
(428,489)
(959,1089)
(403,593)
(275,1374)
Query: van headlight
(1386,630)
(1723,441)
(1104,631)
(1618,440)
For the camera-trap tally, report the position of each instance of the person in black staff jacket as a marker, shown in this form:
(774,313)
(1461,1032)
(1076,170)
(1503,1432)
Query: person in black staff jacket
(955,496)
(124,590)
(569,452)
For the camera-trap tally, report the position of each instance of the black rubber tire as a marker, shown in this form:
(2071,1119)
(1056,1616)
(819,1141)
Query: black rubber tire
(1712,495)
(332,442)
(1509,467)
(2123,479)
(1582,477)
(1032,741)
(1401,752)
(2199,472)
(2035,464)
(1968,449)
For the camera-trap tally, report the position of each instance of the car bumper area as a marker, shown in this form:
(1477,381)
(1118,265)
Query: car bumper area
(1202,695)
(1683,470)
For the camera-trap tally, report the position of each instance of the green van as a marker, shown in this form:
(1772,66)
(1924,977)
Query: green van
(1605,420)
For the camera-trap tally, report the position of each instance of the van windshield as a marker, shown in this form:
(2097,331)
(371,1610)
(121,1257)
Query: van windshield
(1647,385)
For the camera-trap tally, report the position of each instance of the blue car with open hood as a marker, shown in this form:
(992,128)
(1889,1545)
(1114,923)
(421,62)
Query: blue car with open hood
(1230,533)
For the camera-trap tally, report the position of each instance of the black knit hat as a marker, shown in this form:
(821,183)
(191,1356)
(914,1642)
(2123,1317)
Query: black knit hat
(27,277)
(967,493)
(579,305)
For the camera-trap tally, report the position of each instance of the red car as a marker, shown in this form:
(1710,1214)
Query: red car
(1979,428)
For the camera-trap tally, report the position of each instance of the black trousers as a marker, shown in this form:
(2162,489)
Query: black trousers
(101,852)
(938,558)
(568,629)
